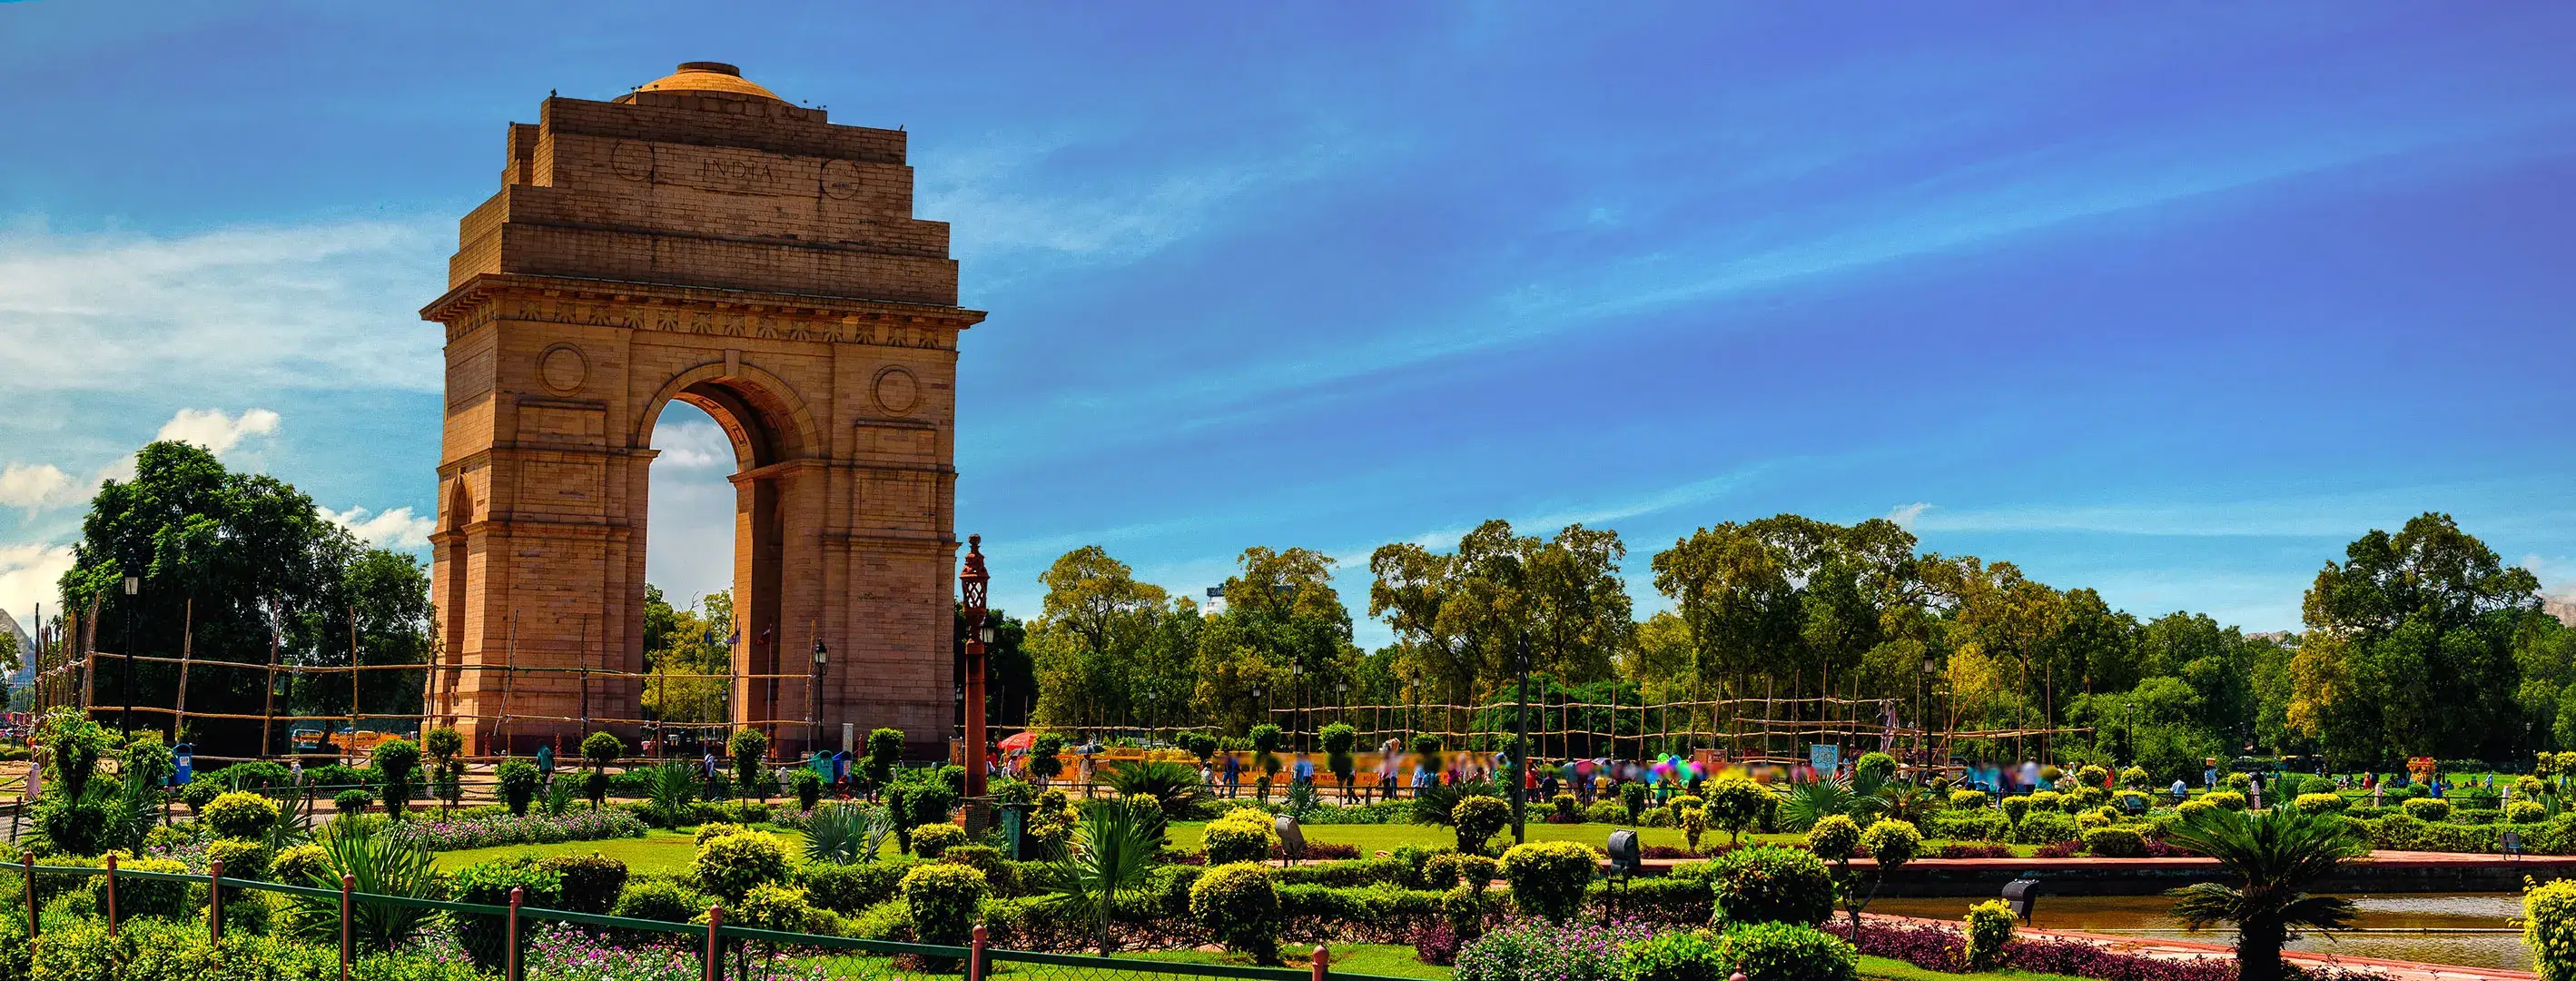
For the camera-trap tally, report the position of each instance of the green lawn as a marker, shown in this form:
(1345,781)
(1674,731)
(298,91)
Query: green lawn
(670,851)
(1373,838)
(657,851)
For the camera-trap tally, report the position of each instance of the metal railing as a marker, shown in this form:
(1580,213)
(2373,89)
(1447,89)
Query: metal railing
(724,951)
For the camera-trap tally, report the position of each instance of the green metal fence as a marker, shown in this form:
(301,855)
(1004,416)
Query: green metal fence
(724,952)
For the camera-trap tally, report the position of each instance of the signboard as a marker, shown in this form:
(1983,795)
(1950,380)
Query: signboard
(1824,756)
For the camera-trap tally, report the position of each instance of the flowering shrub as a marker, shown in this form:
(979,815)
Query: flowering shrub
(2549,929)
(1938,948)
(1532,950)
(1436,943)
(529,829)
(1990,930)
(561,952)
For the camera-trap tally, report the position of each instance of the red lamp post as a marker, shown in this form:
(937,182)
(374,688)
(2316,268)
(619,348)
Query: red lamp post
(973,581)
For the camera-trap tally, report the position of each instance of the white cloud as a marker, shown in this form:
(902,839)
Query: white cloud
(28,574)
(396,528)
(2510,508)
(44,486)
(1905,515)
(35,487)
(217,432)
(692,445)
(330,305)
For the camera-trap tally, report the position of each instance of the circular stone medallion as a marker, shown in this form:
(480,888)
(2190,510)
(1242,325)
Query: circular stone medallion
(562,369)
(897,391)
(632,160)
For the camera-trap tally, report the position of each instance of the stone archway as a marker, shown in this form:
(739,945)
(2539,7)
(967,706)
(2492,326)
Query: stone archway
(698,240)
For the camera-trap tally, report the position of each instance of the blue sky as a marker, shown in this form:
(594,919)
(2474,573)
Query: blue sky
(2170,301)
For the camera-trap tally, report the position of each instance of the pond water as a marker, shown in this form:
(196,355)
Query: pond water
(2471,930)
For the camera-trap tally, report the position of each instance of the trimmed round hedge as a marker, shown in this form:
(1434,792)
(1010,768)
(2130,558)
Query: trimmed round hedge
(1787,951)
(941,898)
(1238,905)
(1548,877)
(1478,819)
(728,866)
(239,814)
(1770,884)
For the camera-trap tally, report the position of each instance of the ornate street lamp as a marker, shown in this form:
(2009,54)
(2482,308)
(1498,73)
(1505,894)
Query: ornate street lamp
(814,721)
(973,582)
(125,719)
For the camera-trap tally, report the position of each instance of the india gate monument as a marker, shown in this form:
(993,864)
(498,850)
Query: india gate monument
(701,240)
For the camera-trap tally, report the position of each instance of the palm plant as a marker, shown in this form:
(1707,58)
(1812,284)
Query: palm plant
(1809,803)
(1112,851)
(294,824)
(668,793)
(845,834)
(1174,783)
(2279,854)
(1906,802)
(381,865)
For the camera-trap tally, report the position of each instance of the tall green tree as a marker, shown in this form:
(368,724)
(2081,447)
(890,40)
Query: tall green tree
(2410,648)
(1284,632)
(1100,646)
(231,563)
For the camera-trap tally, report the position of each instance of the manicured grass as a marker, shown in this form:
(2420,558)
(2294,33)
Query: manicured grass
(1890,969)
(1373,838)
(670,851)
(657,851)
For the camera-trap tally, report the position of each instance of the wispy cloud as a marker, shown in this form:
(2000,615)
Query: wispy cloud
(1963,207)
(2509,506)
(1014,212)
(327,305)
(396,528)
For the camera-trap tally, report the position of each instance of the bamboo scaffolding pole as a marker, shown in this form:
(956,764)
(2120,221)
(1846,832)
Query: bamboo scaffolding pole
(353,680)
(268,686)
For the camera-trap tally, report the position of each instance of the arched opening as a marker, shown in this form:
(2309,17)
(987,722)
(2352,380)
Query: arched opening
(720,494)
(689,566)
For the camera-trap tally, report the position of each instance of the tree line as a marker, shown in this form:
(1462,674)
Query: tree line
(2421,642)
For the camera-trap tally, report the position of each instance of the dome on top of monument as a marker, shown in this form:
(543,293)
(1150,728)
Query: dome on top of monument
(707,78)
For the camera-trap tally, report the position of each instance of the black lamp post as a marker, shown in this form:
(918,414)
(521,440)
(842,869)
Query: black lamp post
(125,719)
(2132,741)
(1520,754)
(814,721)
(1923,717)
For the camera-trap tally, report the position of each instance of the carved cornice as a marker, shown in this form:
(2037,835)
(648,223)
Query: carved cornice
(492,297)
